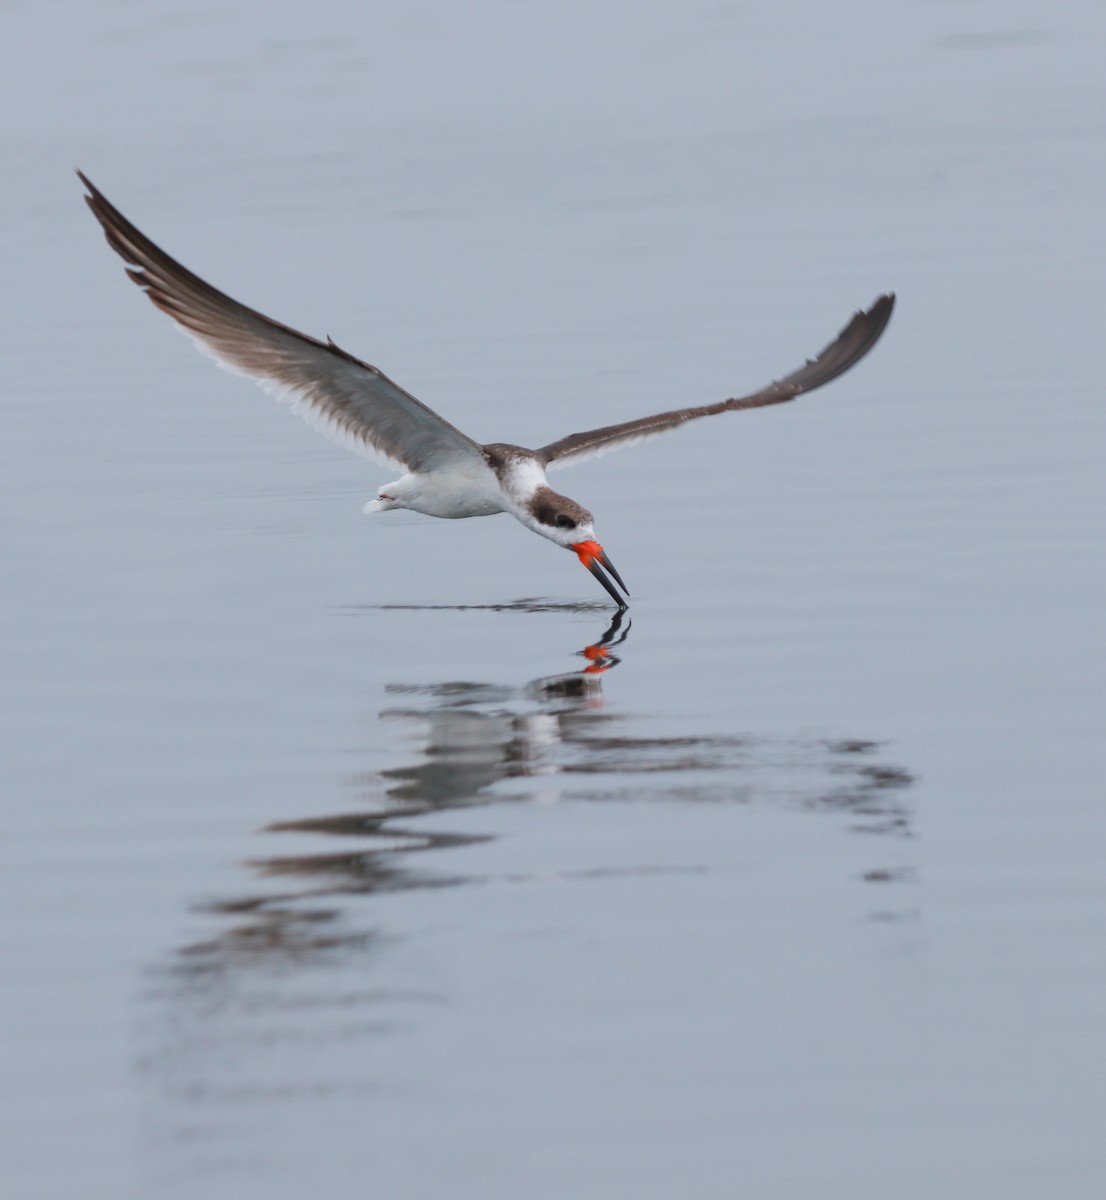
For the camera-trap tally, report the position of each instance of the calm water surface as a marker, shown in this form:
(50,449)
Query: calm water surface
(370,857)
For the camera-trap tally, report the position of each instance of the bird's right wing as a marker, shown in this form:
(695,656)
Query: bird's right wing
(349,400)
(848,348)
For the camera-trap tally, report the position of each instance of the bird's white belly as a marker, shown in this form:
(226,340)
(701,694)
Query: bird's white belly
(469,492)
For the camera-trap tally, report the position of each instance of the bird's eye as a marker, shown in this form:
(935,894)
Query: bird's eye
(566,522)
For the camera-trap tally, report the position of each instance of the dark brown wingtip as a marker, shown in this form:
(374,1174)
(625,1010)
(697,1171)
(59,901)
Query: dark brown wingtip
(845,351)
(170,286)
(867,327)
(110,219)
(95,196)
(91,195)
(877,318)
(879,313)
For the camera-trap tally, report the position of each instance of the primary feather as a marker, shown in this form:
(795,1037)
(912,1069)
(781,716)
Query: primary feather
(347,398)
(850,345)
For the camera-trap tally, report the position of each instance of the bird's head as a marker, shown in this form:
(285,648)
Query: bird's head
(570,525)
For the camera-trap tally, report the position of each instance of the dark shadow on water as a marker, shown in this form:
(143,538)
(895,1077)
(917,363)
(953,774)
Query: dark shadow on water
(536,604)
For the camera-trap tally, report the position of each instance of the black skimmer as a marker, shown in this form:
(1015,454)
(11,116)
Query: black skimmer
(447,473)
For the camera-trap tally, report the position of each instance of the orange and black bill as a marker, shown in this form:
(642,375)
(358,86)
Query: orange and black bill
(594,557)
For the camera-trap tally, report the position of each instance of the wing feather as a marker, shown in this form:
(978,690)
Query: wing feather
(847,349)
(346,398)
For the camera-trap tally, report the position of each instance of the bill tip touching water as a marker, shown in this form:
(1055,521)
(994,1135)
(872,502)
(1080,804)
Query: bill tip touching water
(446,473)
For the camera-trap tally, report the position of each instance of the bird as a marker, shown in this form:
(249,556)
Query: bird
(447,473)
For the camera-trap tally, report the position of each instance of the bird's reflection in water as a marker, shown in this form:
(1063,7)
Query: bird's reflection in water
(474,736)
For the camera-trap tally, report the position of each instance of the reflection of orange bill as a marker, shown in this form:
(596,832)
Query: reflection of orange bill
(598,662)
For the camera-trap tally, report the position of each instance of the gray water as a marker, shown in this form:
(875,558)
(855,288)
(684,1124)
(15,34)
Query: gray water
(331,866)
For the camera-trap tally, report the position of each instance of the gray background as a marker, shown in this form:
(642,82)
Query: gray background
(806,896)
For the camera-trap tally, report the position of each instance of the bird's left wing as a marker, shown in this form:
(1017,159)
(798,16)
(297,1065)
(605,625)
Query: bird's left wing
(348,399)
(849,347)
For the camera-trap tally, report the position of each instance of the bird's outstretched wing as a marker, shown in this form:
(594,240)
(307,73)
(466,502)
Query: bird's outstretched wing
(346,398)
(849,347)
